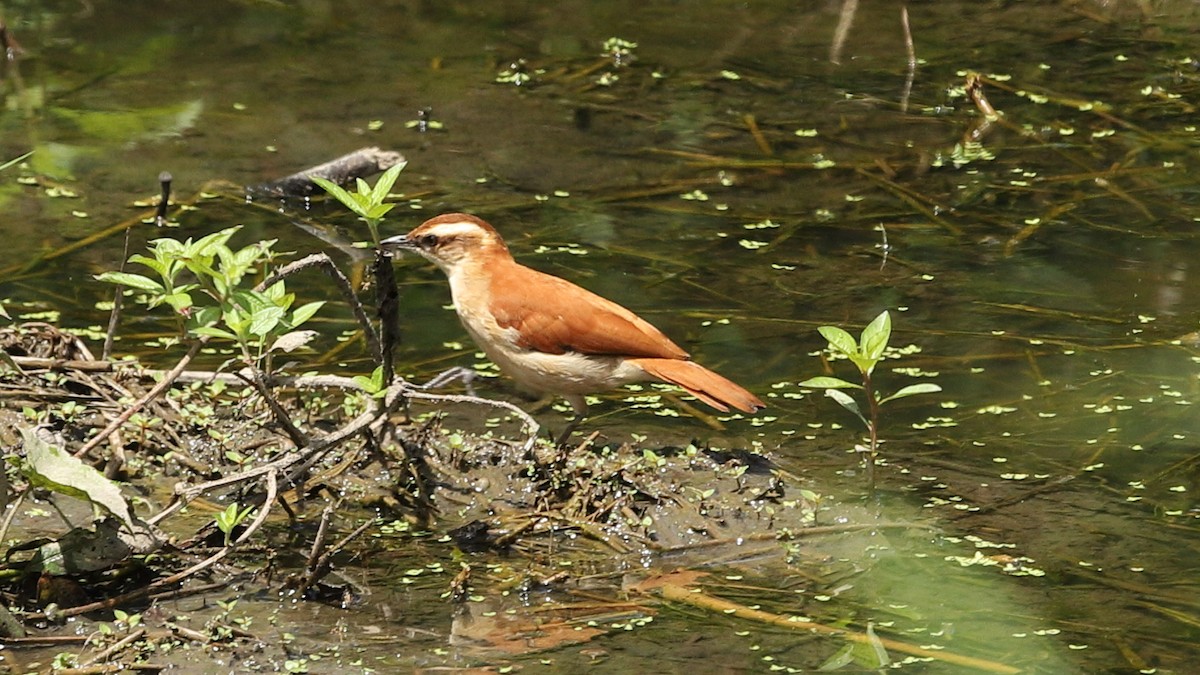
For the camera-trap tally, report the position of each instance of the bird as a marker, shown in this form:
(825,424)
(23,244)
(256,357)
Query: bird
(550,335)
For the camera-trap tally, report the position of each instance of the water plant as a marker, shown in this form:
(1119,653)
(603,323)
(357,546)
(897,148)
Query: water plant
(865,353)
(202,281)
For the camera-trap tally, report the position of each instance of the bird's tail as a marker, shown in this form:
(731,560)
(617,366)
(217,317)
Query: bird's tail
(702,383)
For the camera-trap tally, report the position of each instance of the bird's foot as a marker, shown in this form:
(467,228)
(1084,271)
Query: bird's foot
(465,375)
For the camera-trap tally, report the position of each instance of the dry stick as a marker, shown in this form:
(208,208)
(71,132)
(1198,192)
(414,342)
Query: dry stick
(695,598)
(331,270)
(318,544)
(118,297)
(528,423)
(163,384)
(909,198)
(759,139)
(12,511)
(845,20)
(322,566)
(912,59)
(814,531)
(272,492)
(255,380)
(115,648)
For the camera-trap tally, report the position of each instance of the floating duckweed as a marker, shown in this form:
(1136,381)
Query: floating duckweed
(761,225)
(996,410)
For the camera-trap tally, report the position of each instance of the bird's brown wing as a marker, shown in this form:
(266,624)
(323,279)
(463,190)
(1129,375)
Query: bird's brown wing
(555,316)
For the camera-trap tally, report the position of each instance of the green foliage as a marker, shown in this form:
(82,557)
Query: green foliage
(373,385)
(202,281)
(865,353)
(230,518)
(366,202)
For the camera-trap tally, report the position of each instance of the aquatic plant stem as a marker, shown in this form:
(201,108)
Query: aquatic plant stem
(687,594)
(872,429)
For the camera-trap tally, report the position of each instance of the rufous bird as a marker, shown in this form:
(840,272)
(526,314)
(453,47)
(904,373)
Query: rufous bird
(548,334)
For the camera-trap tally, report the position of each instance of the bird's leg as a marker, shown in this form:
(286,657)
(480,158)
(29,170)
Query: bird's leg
(579,405)
(466,375)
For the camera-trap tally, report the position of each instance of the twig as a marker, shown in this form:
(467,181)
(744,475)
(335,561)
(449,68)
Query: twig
(530,425)
(759,139)
(344,169)
(322,566)
(255,379)
(691,596)
(137,405)
(263,509)
(912,58)
(115,648)
(185,493)
(114,317)
(845,21)
(164,199)
(801,533)
(387,302)
(331,270)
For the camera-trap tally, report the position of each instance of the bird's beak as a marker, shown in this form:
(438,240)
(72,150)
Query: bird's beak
(400,242)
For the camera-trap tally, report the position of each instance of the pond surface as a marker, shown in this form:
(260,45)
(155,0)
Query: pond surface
(740,176)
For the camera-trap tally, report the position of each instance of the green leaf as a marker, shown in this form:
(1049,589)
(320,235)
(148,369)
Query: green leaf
(839,339)
(876,335)
(213,331)
(339,193)
(206,316)
(137,281)
(160,266)
(843,399)
(384,185)
(265,320)
(823,382)
(372,385)
(305,312)
(913,390)
(207,244)
(51,467)
(178,301)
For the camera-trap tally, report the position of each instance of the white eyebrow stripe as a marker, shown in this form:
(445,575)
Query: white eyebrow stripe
(453,229)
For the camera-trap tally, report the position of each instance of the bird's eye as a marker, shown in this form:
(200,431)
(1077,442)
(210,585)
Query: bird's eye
(427,241)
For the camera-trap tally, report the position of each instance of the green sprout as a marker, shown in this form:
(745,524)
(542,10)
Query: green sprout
(367,202)
(865,353)
(230,518)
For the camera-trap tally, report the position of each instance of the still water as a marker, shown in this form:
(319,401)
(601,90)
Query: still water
(739,174)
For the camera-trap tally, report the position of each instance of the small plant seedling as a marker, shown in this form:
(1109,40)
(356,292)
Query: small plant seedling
(865,353)
(367,201)
(230,518)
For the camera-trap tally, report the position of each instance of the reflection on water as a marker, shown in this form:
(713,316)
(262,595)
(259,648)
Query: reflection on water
(719,175)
